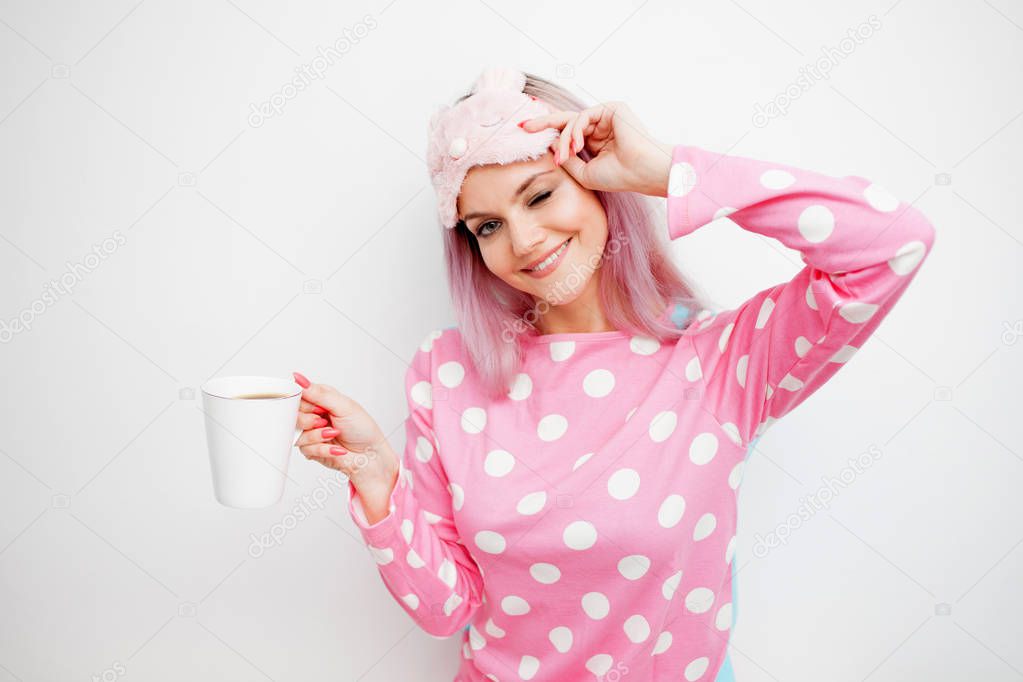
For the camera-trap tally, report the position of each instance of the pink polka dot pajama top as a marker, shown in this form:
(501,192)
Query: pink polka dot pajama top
(583,526)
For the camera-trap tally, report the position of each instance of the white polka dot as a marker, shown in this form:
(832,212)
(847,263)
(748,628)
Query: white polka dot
(671,510)
(422,394)
(414,560)
(532,503)
(528,667)
(599,664)
(634,566)
(735,476)
(382,555)
(430,517)
(451,603)
(637,629)
(514,605)
(723,620)
(816,223)
(790,383)
(476,640)
(580,535)
(693,369)
(447,572)
(492,629)
(803,346)
(490,541)
(843,354)
(596,605)
(548,574)
(623,484)
(474,419)
(765,312)
(644,345)
(726,333)
(451,374)
(681,179)
(457,495)
(810,299)
(598,383)
(582,460)
(732,431)
(776,179)
(562,350)
(407,527)
(703,448)
(705,526)
(857,312)
(411,599)
(723,212)
(907,257)
(880,198)
(671,585)
(498,463)
(662,426)
(424,449)
(552,427)
(663,642)
(427,343)
(696,669)
(740,370)
(699,599)
(730,550)
(561,638)
(522,386)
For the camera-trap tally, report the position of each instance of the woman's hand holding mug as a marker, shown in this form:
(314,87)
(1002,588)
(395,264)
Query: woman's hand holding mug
(338,433)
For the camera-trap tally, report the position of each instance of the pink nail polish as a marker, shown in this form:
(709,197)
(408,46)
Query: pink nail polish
(329,433)
(338,451)
(301,380)
(320,423)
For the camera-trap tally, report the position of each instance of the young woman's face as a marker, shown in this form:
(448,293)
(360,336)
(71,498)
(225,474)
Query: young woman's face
(522,212)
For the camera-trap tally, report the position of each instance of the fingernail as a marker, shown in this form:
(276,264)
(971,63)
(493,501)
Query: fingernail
(338,451)
(320,410)
(522,124)
(301,380)
(321,422)
(329,433)
(571,147)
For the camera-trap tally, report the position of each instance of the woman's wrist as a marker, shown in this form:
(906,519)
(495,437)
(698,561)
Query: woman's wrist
(655,168)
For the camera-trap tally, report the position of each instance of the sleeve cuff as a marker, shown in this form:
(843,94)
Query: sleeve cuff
(689,205)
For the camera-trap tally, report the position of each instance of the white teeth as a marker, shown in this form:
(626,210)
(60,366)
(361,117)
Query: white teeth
(550,259)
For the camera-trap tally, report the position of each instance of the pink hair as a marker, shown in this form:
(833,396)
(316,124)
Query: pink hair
(638,280)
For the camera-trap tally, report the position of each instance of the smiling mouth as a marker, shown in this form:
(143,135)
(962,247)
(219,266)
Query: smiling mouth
(550,263)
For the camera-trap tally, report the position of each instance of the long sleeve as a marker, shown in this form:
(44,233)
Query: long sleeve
(417,547)
(861,247)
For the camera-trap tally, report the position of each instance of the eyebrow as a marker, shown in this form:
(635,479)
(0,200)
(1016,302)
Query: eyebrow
(522,188)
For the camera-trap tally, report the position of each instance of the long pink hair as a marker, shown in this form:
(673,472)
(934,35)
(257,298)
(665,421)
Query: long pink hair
(638,281)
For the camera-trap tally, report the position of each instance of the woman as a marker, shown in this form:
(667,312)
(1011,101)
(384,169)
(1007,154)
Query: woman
(574,448)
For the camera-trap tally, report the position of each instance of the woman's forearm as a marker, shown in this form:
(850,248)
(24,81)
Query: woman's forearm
(376,494)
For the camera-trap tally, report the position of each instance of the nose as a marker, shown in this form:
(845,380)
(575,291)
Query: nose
(526,236)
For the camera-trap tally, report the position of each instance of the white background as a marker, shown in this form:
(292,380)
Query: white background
(309,243)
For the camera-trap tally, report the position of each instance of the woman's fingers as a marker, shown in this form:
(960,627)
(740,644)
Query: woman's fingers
(309,420)
(323,451)
(556,119)
(317,436)
(329,397)
(306,406)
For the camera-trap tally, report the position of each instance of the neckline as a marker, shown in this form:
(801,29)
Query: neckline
(594,336)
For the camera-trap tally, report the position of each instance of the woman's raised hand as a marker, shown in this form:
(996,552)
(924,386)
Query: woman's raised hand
(625,157)
(338,433)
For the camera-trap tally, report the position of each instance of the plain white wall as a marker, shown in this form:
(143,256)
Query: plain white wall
(305,240)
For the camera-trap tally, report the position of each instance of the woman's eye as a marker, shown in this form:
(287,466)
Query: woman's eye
(480,230)
(539,197)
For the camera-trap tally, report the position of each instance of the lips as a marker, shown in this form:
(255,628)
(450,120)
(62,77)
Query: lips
(529,268)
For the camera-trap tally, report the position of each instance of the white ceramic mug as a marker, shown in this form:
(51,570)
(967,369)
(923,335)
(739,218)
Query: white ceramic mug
(250,440)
